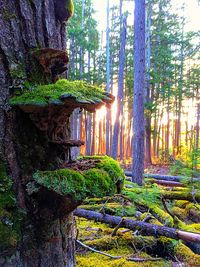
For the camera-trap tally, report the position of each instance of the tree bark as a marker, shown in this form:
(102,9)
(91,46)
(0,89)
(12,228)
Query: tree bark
(27,26)
(148,90)
(139,84)
(120,95)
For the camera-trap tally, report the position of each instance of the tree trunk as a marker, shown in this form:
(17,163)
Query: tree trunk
(93,149)
(139,83)
(148,91)
(120,95)
(26,26)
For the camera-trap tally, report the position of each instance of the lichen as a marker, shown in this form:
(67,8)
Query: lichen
(51,93)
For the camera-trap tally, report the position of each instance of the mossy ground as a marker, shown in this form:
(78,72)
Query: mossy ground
(144,202)
(45,94)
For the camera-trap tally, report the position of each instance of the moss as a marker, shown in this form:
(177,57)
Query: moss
(99,183)
(65,182)
(93,182)
(18,72)
(181,203)
(180,213)
(8,15)
(46,94)
(109,165)
(98,235)
(186,255)
(112,208)
(93,259)
(70,7)
(180,251)
(10,216)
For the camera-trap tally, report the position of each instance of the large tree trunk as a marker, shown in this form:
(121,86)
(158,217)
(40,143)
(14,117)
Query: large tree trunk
(26,26)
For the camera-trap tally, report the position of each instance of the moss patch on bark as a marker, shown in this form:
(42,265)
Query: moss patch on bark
(104,179)
(54,93)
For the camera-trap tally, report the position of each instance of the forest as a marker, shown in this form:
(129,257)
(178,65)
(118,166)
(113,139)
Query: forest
(99,133)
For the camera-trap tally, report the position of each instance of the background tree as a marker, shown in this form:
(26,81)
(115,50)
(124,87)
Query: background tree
(139,84)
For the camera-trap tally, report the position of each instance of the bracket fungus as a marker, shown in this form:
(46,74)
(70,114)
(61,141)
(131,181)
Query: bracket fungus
(65,189)
(50,105)
(64,186)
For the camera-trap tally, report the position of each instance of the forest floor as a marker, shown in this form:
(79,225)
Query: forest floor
(177,208)
(156,168)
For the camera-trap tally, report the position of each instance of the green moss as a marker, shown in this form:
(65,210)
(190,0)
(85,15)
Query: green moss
(93,182)
(111,166)
(70,7)
(51,93)
(180,251)
(10,217)
(99,183)
(181,203)
(112,208)
(65,182)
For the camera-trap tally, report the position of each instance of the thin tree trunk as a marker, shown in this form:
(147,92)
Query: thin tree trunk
(93,133)
(108,78)
(148,98)
(120,96)
(139,83)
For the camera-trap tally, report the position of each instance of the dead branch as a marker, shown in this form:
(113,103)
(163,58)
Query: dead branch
(97,251)
(145,228)
(117,257)
(165,177)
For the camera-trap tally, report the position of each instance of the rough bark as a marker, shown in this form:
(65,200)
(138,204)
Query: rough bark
(108,77)
(120,95)
(139,83)
(148,99)
(26,26)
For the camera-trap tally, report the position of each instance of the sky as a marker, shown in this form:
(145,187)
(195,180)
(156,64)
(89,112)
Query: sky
(192,12)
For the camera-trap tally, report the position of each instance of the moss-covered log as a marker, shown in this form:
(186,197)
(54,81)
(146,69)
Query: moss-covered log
(145,228)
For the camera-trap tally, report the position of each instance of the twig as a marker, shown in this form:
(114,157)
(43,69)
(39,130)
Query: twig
(143,259)
(193,195)
(124,197)
(166,208)
(97,251)
(117,228)
(117,257)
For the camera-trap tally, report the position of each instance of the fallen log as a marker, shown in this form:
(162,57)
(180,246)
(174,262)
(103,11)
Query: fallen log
(166,183)
(165,177)
(145,228)
(192,196)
